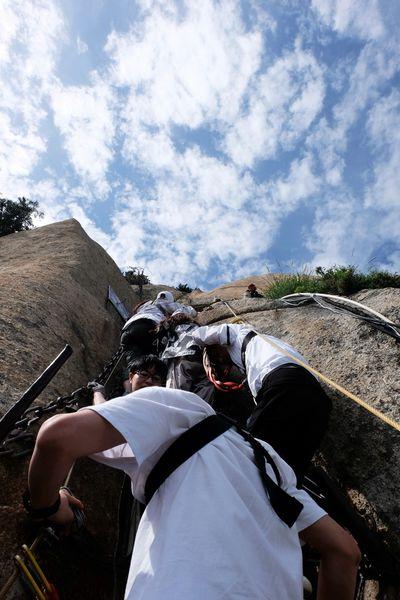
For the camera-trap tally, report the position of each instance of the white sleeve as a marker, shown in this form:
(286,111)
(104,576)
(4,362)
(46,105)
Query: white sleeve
(216,334)
(189,310)
(184,308)
(311,512)
(119,457)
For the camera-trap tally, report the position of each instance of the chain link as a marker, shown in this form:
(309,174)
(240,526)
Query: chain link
(109,366)
(19,442)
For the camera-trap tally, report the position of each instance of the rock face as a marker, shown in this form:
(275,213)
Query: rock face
(54,288)
(150,291)
(361,451)
(54,283)
(231,291)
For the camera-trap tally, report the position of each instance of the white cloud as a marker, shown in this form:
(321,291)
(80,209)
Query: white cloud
(202,70)
(338,235)
(301,183)
(203,215)
(362,18)
(81,46)
(19,152)
(31,34)
(283,104)
(384,133)
(196,215)
(198,70)
(50,193)
(9,28)
(84,116)
(374,67)
(189,70)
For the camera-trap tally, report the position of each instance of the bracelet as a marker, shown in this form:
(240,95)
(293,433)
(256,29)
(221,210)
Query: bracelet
(39,513)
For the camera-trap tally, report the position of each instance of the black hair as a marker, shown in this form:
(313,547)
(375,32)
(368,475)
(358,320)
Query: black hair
(149,361)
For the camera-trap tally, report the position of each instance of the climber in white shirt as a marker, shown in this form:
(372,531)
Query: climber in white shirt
(292,409)
(210,530)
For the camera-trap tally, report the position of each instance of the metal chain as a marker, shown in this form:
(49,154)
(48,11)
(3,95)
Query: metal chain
(109,366)
(19,442)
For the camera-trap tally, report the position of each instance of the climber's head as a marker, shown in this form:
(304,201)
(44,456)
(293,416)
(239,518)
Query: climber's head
(218,357)
(165,297)
(220,369)
(147,371)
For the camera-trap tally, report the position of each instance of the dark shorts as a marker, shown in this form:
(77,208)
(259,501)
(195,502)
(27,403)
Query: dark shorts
(292,415)
(187,373)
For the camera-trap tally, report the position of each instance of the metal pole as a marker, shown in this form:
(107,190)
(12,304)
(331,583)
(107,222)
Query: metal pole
(15,412)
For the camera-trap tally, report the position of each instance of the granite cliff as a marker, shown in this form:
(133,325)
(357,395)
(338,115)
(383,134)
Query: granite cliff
(54,289)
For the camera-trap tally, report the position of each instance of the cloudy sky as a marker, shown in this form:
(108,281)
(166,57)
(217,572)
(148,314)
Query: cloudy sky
(208,140)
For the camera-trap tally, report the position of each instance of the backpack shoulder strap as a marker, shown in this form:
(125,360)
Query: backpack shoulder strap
(187,444)
(248,337)
(194,439)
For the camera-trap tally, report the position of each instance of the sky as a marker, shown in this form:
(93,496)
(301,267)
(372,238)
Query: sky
(207,141)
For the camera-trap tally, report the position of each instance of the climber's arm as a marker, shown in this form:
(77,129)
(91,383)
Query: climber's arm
(211,335)
(340,556)
(61,440)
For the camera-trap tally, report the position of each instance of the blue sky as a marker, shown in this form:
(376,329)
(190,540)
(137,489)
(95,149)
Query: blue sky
(207,141)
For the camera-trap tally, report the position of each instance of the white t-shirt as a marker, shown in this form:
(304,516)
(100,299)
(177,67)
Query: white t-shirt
(261,357)
(209,532)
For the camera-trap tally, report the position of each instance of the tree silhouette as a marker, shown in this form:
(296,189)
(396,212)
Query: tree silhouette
(136,276)
(17,216)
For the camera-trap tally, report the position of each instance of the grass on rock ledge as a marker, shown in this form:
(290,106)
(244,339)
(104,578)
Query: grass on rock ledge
(338,280)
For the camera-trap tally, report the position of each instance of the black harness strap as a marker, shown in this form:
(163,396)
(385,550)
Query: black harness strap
(286,507)
(191,441)
(187,444)
(249,336)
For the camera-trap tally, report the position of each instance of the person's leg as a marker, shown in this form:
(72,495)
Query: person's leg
(139,336)
(292,415)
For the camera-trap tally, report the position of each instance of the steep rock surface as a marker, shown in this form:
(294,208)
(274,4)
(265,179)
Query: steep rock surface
(54,283)
(233,290)
(54,286)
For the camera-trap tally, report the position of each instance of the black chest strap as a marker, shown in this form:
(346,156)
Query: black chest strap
(195,438)
(248,337)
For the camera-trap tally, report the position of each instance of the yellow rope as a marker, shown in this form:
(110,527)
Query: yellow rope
(36,566)
(14,575)
(336,386)
(37,591)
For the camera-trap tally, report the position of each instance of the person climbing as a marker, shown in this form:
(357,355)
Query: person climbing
(184,358)
(292,410)
(139,333)
(210,530)
(145,371)
(252,292)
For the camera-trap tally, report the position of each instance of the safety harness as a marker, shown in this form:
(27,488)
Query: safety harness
(194,439)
